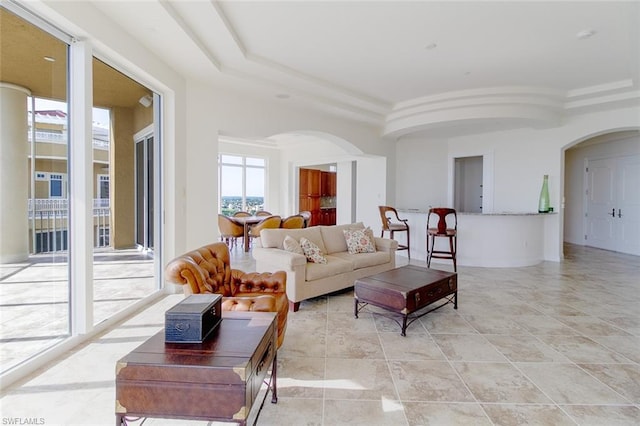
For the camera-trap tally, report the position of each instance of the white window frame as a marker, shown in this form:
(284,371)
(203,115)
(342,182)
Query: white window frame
(99,179)
(244,168)
(63,184)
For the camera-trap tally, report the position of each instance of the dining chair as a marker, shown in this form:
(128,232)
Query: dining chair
(394,224)
(306,214)
(446,227)
(263,213)
(267,222)
(241,214)
(229,231)
(293,222)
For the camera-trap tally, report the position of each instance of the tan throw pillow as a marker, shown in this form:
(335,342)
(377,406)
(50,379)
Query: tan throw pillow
(292,245)
(369,233)
(312,251)
(358,241)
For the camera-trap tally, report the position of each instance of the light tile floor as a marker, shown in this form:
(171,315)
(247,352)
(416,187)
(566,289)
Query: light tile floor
(552,344)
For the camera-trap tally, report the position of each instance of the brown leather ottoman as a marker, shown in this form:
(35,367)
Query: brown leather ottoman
(406,290)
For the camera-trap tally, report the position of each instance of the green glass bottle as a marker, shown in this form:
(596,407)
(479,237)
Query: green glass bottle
(543,203)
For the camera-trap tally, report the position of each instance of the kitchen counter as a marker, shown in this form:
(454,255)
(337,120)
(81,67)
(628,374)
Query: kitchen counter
(502,239)
(480,214)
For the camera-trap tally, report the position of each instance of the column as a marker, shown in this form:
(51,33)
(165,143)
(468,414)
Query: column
(14,174)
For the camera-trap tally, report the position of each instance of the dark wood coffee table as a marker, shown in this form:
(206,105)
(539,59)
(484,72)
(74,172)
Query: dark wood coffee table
(406,290)
(217,380)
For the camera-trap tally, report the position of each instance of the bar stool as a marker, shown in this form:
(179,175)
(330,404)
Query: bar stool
(447,227)
(400,225)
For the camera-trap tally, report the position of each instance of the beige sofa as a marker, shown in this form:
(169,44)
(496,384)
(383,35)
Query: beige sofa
(305,279)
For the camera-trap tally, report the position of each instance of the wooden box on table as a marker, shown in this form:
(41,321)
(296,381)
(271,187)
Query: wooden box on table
(193,319)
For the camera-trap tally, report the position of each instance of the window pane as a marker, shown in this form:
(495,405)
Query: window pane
(230,159)
(255,161)
(56,187)
(236,194)
(123,198)
(231,189)
(34,265)
(255,189)
(255,182)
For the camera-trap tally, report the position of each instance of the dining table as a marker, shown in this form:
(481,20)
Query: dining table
(246,222)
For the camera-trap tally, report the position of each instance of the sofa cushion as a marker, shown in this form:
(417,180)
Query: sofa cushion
(359,241)
(364,260)
(292,245)
(333,236)
(334,266)
(274,238)
(312,251)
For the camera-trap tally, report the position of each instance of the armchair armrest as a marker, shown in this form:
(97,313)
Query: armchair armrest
(185,271)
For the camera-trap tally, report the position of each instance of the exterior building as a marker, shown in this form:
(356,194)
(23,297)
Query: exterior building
(48,204)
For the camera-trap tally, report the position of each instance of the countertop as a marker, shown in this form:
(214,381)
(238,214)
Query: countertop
(423,211)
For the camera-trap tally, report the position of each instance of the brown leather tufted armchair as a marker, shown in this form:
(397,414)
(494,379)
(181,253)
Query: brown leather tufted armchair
(208,270)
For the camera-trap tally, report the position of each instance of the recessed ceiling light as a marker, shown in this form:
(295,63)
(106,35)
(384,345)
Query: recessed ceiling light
(49,59)
(430,46)
(283,96)
(585,34)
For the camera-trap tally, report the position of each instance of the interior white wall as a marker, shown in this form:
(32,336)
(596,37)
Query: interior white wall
(371,191)
(421,173)
(345,187)
(574,189)
(521,158)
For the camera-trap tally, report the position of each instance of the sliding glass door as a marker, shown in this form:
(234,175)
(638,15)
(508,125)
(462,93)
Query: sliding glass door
(145,192)
(41,304)
(34,176)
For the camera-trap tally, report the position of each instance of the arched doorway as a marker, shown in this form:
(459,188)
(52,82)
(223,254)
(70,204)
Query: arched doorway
(602,201)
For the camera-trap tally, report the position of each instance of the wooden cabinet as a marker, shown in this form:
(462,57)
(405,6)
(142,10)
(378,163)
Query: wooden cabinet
(328,216)
(312,204)
(315,184)
(328,184)
(310,182)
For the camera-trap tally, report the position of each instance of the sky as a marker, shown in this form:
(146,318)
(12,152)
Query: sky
(100,115)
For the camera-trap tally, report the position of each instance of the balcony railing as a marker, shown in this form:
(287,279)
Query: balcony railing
(61,138)
(49,221)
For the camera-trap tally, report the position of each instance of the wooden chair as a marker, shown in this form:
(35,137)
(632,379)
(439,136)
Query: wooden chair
(306,214)
(267,222)
(447,227)
(263,213)
(241,214)
(394,224)
(229,231)
(293,222)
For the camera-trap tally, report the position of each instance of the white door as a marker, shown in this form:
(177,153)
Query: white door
(628,204)
(613,204)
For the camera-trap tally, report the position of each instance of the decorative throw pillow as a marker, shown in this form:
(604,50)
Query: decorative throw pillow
(369,233)
(292,245)
(358,241)
(312,251)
